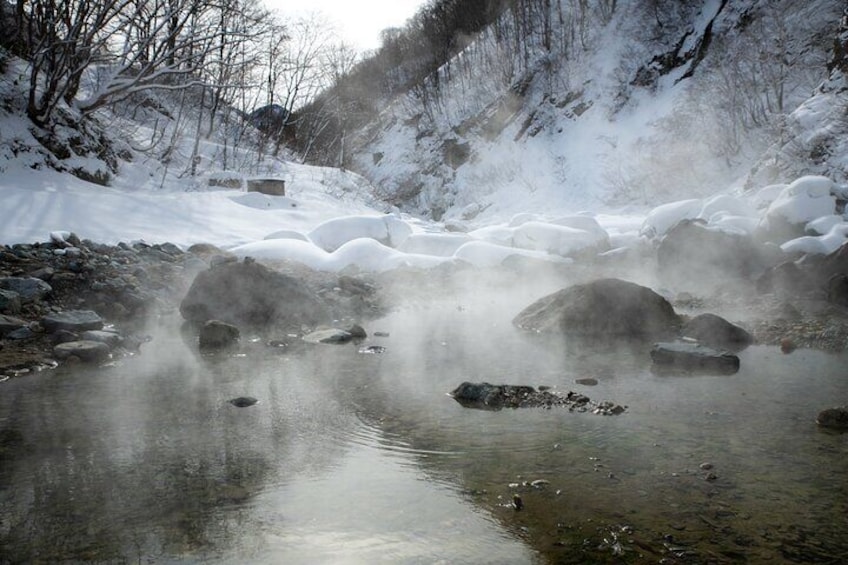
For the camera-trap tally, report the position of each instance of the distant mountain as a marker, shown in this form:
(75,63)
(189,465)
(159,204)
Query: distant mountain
(587,105)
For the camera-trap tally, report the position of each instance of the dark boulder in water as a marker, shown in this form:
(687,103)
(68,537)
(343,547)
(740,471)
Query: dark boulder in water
(252,295)
(244,401)
(715,331)
(218,335)
(606,308)
(834,418)
(493,397)
(693,357)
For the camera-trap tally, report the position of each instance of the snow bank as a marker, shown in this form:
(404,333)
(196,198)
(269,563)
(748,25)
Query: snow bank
(559,240)
(663,218)
(388,230)
(804,200)
(819,245)
(437,244)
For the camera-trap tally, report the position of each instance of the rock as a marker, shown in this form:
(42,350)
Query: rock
(29,289)
(218,335)
(72,320)
(357,332)
(786,279)
(587,382)
(9,324)
(64,336)
(112,339)
(244,401)
(715,331)
(252,295)
(834,418)
(608,308)
(693,254)
(328,336)
(21,333)
(694,357)
(485,395)
(10,301)
(837,290)
(89,351)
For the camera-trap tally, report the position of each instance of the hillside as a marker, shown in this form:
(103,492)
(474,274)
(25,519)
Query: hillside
(636,105)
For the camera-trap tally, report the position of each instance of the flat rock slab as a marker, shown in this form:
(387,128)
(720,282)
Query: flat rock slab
(112,339)
(694,357)
(328,336)
(89,351)
(9,324)
(73,321)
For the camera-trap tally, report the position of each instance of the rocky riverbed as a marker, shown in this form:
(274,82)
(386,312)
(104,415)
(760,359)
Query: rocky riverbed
(114,292)
(127,285)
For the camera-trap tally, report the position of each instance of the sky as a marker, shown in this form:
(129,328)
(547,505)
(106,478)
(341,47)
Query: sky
(359,23)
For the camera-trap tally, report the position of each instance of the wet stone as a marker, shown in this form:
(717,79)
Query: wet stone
(72,320)
(332,336)
(243,401)
(89,351)
(834,418)
(29,289)
(693,357)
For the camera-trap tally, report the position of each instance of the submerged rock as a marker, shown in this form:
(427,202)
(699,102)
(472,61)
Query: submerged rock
(243,401)
(608,308)
(487,396)
(693,357)
(218,335)
(834,418)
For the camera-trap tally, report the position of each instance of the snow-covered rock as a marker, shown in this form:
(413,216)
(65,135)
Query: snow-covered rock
(559,240)
(804,200)
(662,218)
(819,245)
(388,230)
(438,244)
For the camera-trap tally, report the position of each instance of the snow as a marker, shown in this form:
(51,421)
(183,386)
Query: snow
(804,200)
(664,217)
(819,245)
(330,227)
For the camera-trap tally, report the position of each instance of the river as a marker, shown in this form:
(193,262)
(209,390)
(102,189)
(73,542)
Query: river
(353,457)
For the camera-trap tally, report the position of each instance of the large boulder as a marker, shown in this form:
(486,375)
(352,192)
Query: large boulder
(692,253)
(249,294)
(715,331)
(610,308)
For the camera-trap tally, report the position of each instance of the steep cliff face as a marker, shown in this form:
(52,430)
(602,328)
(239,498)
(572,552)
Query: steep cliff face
(635,103)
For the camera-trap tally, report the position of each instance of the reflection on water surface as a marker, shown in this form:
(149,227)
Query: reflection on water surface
(362,458)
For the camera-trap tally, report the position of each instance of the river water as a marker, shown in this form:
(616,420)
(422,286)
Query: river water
(353,457)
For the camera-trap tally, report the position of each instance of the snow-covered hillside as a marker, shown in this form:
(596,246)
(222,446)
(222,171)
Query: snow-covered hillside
(652,102)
